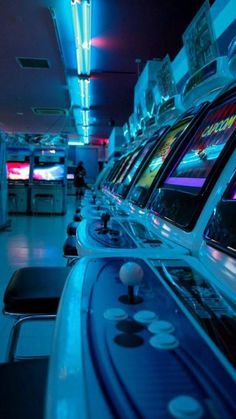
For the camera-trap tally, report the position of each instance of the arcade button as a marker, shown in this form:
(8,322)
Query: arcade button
(183,407)
(161,326)
(145,316)
(115,314)
(129,326)
(128,340)
(164,341)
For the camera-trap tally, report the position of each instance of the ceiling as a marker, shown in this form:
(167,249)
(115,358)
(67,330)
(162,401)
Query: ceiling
(122,32)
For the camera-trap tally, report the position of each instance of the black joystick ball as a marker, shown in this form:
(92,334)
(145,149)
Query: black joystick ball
(105,218)
(131,274)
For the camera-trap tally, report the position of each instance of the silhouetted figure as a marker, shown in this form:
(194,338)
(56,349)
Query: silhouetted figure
(79,180)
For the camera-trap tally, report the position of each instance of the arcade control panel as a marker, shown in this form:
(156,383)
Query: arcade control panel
(144,356)
(113,234)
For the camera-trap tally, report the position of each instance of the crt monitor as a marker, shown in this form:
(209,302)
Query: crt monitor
(48,172)
(185,189)
(18,171)
(142,189)
(123,162)
(126,169)
(130,175)
(221,229)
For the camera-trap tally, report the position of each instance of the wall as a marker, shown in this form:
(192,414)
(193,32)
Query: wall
(89,155)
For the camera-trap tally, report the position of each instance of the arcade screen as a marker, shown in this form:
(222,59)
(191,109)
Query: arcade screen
(18,171)
(127,166)
(203,151)
(183,191)
(124,162)
(136,165)
(141,157)
(141,190)
(221,229)
(48,172)
(111,175)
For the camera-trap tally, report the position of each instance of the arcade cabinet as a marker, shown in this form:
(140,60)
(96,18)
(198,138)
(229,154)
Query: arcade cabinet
(49,183)
(18,175)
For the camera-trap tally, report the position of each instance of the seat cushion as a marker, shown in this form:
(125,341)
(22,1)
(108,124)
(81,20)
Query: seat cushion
(35,290)
(69,247)
(23,389)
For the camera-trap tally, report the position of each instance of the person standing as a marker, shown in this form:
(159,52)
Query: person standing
(79,181)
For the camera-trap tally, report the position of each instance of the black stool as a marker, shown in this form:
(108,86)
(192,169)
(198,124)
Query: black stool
(32,294)
(71,228)
(23,389)
(70,250)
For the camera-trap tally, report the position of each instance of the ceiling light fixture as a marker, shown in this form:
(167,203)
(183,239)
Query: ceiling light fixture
(74,142)
(81,12)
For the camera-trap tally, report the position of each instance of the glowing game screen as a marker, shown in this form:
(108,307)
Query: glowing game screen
(159,156)
(221,228)
(204,149)
(128,165)
(48,172)
(122,166)
(18,171)
(183,193)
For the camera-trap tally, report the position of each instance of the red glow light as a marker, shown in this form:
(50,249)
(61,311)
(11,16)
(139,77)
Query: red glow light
(102,42)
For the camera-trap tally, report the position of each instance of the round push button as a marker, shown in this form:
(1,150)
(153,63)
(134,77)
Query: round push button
(161,326)
(115,314)
(164,341)
(145,316)
(183,407)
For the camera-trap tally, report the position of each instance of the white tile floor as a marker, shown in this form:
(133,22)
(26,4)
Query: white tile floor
(31,241)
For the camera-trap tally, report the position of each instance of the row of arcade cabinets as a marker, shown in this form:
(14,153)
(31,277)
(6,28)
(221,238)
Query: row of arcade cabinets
(133,183)
(160,322)
(36,180)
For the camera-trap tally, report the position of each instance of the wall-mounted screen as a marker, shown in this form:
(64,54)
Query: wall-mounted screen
(18,171)
(48,172)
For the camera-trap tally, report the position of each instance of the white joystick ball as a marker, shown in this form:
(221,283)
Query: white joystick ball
(131,273)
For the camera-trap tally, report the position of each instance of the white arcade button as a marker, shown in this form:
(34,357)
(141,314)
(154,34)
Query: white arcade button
(115,314)
(183,407)
(145,316)
(164,341)
(161,326)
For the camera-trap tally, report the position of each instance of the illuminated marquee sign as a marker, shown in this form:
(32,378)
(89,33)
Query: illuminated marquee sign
(219,126)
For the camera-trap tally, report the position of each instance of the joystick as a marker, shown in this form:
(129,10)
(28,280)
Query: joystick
(105,218)
(94,198)
(131,274)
